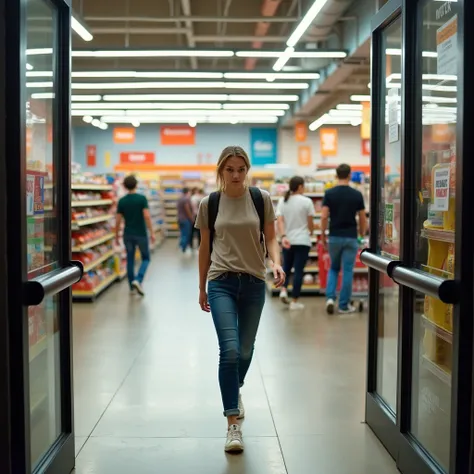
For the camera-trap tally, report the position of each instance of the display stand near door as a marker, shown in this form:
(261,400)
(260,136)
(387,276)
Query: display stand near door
(420,358)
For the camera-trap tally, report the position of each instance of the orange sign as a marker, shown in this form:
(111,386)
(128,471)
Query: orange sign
(365,125)
(91,152)
(124,135)
(304,155)
(328,141)
(301,132)
(441,133)
(137,157)
(178,135)
(365,145)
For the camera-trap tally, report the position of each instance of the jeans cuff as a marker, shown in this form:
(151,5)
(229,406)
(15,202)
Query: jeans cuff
(232,412)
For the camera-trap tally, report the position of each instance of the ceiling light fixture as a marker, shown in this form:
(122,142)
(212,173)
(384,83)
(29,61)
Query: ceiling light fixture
(360,98)
(256,106)
(273,75)
(29,67)
(143,53)
(197,97)
(307,20)
(181,120)
(39,85)
(283,59)
(177,85)
(175,113)
(87,118)
(149,74)
(262,98)
(349,107)
(80,29)
(316,54)
(147,105)
(86,98)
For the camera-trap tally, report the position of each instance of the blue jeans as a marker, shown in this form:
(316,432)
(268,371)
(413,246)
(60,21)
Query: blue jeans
(131,243)
(295,257)
(186,228)
(343,252)
(236,301)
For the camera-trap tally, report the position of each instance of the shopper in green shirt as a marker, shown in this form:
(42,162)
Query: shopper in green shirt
(133,209)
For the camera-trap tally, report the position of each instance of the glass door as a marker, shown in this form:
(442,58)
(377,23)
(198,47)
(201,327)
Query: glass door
(421,250)
(40,271)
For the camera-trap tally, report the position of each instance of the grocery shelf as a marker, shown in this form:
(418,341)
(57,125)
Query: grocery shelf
(95,263)
(90,294)
(439,371)
(91,187)
(91,220)
(92,202)
(436,329)
(93,243)
(37,348)
(439,235)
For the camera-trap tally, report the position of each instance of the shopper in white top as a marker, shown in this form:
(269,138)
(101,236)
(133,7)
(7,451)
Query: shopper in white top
(295,213)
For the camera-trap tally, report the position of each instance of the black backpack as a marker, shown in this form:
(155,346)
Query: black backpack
(213,209)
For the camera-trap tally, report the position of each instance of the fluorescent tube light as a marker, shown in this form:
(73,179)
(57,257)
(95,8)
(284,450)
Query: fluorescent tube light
(398,52)
(39,85)
(87,118)
(217,113)
(147,105)
(135,123)
(316,54)
(103,126)
(318,122)
(39,51)
(86,98)
(349,107)
(272,75)
(43,95)
(149,75)
(186,120)
(95,112)
(306,22)
(283,59)
(177,85)
(360,98)
(256,106)
(262,98)
(39,73)
(80,29)
(29,67)
(95,122)
(140,53)
(164,97)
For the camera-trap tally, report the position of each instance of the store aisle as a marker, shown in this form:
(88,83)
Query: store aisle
(147,398)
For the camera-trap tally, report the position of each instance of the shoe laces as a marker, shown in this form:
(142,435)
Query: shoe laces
(234,433)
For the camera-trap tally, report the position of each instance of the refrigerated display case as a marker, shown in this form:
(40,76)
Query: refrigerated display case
(420,359)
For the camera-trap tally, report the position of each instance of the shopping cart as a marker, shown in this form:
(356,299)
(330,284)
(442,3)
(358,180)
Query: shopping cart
(360,283)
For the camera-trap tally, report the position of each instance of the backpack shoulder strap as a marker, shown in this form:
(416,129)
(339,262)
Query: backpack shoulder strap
(259,204)
(212,210)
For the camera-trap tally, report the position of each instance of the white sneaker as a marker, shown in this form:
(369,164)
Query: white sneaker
(330,306)
(350,309)
(295,305)
(234,443)
(241,408)
(136,284)
(284,297)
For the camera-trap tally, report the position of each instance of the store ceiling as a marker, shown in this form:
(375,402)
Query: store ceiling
(231,29)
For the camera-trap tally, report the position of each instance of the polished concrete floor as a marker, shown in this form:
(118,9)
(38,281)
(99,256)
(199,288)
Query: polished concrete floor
(147,398)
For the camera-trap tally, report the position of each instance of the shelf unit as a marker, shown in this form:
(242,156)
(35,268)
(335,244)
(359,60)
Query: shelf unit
(92,234)
(171,186)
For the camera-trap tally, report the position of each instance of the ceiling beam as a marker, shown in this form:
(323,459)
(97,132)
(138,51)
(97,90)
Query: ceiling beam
(193,19)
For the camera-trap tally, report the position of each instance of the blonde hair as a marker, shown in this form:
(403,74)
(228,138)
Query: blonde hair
(229,152)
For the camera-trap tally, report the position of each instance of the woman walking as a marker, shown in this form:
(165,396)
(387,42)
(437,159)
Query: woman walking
(237,225)
(295,213)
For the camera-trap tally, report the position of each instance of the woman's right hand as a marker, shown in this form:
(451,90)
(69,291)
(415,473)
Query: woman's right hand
(203,301)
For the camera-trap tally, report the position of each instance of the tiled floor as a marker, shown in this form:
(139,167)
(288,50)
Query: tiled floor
(147,399)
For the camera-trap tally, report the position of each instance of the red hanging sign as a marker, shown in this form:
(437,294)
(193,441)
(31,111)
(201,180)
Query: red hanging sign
(91,153)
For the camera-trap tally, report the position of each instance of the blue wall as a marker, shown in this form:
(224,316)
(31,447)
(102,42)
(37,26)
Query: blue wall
(210,140)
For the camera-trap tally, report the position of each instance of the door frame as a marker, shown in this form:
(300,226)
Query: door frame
(14,347)
(410,456)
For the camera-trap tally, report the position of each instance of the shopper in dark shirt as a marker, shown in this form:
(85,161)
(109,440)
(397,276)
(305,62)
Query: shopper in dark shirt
(341,205)
(185,219)
(133,209)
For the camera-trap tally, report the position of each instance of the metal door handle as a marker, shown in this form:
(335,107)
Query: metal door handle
(377,262)
(52,283)
(448,291)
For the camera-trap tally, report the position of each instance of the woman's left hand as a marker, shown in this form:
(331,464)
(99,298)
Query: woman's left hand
(279,275)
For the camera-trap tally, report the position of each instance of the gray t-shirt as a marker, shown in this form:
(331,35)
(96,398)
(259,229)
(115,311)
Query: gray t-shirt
(237,246)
